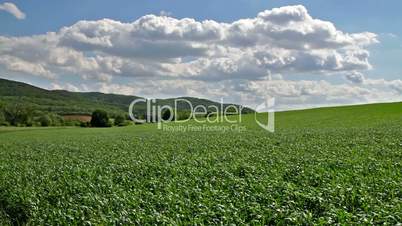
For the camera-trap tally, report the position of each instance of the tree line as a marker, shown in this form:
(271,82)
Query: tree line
(22,115)
(15,114)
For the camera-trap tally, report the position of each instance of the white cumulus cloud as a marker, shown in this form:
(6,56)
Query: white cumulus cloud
(13,10)
(278,41)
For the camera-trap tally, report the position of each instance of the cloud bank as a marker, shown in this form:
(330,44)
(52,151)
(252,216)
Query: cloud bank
(242,60)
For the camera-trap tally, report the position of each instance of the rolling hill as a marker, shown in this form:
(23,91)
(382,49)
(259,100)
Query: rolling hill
(64,102)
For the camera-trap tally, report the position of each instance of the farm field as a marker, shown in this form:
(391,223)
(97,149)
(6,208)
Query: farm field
(340,165)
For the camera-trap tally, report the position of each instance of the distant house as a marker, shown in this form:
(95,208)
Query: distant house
(81,118)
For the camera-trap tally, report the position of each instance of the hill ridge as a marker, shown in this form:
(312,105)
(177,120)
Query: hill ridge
(68,102)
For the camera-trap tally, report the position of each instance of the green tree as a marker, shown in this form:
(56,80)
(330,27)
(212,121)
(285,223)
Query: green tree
(17,114)
(100,119)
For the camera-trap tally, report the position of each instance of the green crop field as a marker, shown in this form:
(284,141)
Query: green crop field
(322,166)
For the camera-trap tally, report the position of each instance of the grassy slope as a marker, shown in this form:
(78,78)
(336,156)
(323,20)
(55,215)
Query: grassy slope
(346,116)
(356,116)
(322,166)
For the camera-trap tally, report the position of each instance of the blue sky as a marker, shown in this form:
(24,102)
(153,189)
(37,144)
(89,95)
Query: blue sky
(379,17)
(47,15)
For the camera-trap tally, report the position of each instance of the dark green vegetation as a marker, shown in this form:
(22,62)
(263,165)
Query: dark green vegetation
(120,120)
(322,166)
(61,102)
(100,119)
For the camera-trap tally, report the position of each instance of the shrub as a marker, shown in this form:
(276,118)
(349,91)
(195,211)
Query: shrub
(56,120)
(183,115)
(4,123)
(85,124)
(45,120)
(109,123)
(2,118)
(72,123)
(125,123)
(119,120)
(167,115)
(29,122)
(100,119)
